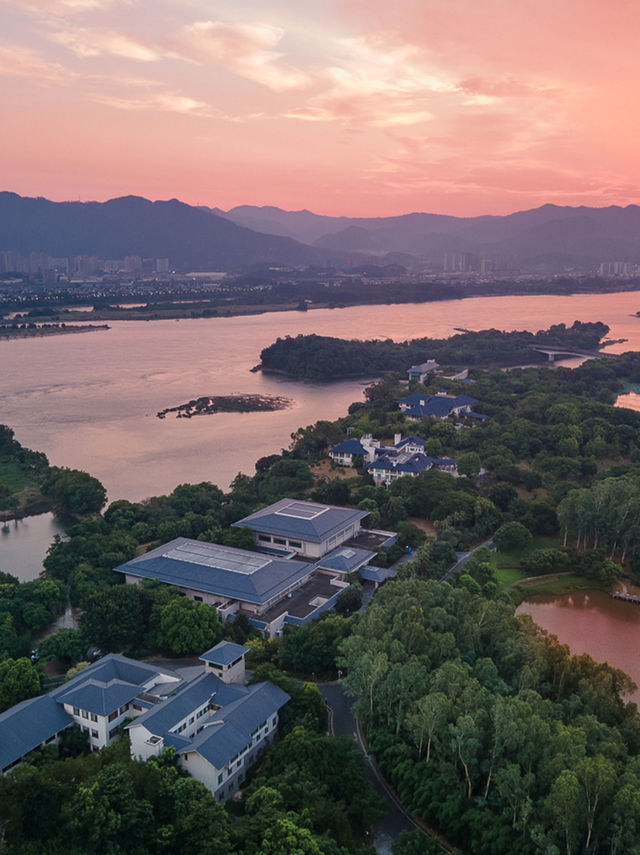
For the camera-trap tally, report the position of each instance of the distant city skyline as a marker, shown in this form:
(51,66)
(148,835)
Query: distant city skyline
(341,107)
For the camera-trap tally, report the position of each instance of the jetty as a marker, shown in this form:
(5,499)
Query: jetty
(628,598)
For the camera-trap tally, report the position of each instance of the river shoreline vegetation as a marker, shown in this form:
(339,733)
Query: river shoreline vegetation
(488,728)
(261,291)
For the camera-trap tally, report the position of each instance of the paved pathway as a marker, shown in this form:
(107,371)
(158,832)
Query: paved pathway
(343,723)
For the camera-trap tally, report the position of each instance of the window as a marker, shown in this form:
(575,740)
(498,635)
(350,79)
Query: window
(137,707)
(94,733)
(85,714)
(123,709)
(113,715)
(113,732)
(296,544)
(198,599)
(220,778)
(94,717)
(280,540)
(76,711)
(265,538)
(191,720)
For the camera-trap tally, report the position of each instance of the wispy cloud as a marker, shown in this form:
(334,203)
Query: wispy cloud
(247,50)
(17,61)
(52,7)
(90,42)
(166,101)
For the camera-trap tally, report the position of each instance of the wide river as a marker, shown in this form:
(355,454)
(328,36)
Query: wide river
(89,401)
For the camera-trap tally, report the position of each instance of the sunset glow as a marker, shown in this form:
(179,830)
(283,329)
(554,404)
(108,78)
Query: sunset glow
(343,107)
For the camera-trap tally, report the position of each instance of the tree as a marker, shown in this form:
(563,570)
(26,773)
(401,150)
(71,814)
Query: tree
(349,600)
(287,838)
(512,537)
(18,680)
(113,618)
(66,645)
(74,491)
(469,464)
(184,626)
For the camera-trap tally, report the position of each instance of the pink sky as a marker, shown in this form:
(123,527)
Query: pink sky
(356,107)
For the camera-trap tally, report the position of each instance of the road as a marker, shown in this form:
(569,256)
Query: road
(344,724)
(463,557)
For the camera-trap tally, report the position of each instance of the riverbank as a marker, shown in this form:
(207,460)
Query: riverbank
(241,301)
(49,330)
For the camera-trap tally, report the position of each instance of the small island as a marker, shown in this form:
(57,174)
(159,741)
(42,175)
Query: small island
(206,405)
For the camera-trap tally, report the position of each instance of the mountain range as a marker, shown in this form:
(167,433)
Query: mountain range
(553,235)
(198,238)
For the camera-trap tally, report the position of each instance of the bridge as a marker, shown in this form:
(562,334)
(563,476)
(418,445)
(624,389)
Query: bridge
(554,352)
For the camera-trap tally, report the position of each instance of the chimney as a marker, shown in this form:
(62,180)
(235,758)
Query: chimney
(397,437)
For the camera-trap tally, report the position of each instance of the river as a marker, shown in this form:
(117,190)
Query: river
(594,623)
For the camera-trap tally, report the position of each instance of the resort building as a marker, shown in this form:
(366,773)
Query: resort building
(268,588)
(217,726)
(97,700)
(309,529)
(419,373)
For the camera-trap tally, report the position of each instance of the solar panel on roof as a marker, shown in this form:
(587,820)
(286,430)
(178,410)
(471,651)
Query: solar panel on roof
(220,557)
(302,510)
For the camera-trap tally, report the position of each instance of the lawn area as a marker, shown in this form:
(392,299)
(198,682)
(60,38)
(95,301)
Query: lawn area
(507,564)
(511,560)
(15,477)
(508,575)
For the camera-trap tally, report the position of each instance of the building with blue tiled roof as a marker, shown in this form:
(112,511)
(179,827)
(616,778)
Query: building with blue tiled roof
(217,725)
(440,406)
(308,528)
(97,700)
(344,452)
(389,468)
(267,588)
(217,728)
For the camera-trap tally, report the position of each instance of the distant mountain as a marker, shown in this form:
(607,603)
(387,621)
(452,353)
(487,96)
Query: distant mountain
(192,238)
(551,234)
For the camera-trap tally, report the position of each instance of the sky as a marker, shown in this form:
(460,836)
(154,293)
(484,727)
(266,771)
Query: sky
(353,107)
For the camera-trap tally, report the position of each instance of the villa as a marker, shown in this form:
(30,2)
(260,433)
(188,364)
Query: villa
(440,405)
(419,373)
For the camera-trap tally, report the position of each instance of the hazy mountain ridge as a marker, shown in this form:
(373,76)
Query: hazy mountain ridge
(562,233)
(190,237)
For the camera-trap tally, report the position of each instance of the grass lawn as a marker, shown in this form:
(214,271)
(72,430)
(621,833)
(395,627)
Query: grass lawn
(507,564)
(16,477)
(511,560)
(508,575)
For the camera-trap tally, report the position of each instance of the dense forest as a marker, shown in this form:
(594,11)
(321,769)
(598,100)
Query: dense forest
(314,357)
(492,731)
(488,729)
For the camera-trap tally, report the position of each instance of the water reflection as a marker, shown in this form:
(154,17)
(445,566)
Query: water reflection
(24,544)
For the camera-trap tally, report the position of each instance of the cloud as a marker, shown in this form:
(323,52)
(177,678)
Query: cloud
(58,6)
(87,42)
(246,50)
(18,61)
(170,102)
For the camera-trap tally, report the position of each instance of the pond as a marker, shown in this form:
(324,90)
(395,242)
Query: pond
(24,544)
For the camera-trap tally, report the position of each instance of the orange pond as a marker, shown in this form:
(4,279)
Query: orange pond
(594,623)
